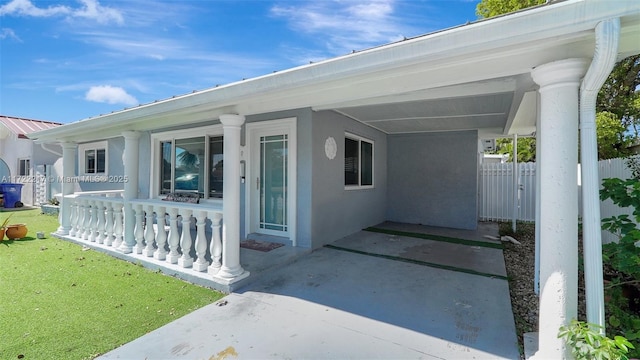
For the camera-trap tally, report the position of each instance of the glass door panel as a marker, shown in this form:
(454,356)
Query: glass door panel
(273,182)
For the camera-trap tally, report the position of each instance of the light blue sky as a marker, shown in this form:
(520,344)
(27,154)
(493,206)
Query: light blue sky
(68,60)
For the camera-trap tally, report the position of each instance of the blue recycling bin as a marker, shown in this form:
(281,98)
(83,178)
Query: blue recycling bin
(12,194)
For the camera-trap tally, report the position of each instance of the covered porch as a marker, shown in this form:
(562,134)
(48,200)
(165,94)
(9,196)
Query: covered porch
(160,242)
(199,241)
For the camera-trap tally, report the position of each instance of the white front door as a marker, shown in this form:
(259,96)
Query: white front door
(271,177)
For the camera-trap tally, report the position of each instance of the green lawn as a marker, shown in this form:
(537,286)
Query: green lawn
(58,301)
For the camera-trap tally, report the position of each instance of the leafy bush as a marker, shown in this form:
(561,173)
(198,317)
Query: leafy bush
(587,343)
(623,256)
(622,260)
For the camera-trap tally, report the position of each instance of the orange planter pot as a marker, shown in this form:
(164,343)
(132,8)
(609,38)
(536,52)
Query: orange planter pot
(1,234)
(16,231)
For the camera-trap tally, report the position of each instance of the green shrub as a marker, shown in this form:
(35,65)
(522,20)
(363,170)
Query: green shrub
(622,260)
(586,342)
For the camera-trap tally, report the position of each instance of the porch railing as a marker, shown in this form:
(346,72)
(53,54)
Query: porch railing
(188,235)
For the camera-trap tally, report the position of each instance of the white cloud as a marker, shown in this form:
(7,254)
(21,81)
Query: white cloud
(110,94)
(93,10)
(26,8)
(345,25)
(89,9)
(6,33)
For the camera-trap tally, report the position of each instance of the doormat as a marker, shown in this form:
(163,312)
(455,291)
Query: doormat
(264,246)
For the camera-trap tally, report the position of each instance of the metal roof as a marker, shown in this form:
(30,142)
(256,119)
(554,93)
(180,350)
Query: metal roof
(21,127)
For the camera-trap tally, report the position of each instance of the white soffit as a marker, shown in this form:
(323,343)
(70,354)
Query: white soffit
(458,113)
(524,122)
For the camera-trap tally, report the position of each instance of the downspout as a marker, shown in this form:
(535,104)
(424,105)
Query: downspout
(516,179)
(607,34)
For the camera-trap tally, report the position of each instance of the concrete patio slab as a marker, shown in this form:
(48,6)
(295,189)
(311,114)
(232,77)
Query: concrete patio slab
(484,228)
(338,304)
(489,261)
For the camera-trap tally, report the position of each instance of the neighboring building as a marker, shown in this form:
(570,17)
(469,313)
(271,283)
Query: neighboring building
(318,152)
(24,162)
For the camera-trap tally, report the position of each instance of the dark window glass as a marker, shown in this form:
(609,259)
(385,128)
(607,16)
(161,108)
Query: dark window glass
(24,165)
(90,161)
(216,147)
(166,157)
(366,154)
(350,161)
(101,161)
(189,165)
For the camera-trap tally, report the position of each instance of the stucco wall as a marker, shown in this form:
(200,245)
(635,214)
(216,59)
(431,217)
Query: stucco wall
(433,179)
(338,212)
(115,169)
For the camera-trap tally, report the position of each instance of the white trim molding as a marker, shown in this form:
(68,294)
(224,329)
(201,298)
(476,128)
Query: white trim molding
(285,125)
(360,140)
(156,138)
(95,146)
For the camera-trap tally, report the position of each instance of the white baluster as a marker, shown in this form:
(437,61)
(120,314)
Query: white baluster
(201,264)
(216,244)
(86,222)
(185,240)
(118,227)
(100,207)
(73,216)
(149,235)
(174,236)
(139,231)
(108,226)
(161,233)
(93,225)
(80,219)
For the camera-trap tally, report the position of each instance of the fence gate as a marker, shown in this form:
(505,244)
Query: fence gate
(496,191)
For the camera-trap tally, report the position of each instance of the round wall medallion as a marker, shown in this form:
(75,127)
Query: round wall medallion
(330,148)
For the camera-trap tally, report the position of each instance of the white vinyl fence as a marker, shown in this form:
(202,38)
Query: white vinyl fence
(496,192)
(496,186)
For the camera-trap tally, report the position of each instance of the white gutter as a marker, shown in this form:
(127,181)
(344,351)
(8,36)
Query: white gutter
(44,146)
(604,58)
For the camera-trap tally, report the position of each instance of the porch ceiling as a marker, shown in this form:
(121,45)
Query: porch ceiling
(459,113)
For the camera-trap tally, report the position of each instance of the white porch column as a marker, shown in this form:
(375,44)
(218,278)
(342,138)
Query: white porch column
(68,173)
(130,160)
(231,270)
(558,219)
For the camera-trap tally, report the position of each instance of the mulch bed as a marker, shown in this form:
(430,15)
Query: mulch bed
(520,264)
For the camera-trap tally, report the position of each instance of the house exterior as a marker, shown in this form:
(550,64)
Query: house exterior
(23,162)
(318,152)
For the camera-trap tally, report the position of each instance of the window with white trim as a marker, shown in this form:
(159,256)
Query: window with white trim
(93,158)
(184,157)
(24,167)
(358,162)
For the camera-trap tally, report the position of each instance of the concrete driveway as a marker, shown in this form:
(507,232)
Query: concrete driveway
(340,304)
